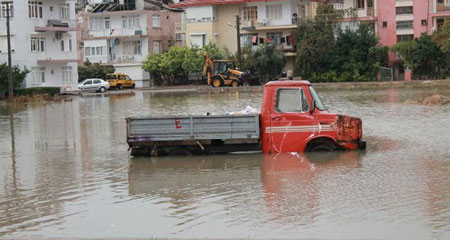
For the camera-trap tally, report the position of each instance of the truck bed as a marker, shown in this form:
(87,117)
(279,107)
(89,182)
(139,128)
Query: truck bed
(192,130)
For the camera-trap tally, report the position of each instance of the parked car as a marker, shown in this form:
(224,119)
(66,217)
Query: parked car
(119,81)
(94,85)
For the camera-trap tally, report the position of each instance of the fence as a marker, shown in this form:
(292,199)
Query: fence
(386,74)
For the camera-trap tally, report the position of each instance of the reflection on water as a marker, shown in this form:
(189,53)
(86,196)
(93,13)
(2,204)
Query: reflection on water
(65,172)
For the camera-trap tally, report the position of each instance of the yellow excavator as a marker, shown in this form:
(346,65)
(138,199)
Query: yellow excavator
(222,73)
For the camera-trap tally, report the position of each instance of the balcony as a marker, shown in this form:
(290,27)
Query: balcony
(56,57)
(115,33)
(56,25)
(440,7)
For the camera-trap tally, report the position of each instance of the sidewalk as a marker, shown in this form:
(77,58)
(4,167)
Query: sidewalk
(343,85)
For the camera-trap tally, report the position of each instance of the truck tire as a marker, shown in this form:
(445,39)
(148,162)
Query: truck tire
(141,151)
(235,84)
(120,87)
(323,148)
(216,82)
(133,86)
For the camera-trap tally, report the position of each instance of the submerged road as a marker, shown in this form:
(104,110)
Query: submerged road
(65,172)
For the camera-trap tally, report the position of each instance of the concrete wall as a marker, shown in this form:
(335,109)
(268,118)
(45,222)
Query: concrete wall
(387,12)
(227,36)
(134,70)
(421,11)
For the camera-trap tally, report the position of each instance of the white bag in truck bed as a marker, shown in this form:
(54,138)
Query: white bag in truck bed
(174,128)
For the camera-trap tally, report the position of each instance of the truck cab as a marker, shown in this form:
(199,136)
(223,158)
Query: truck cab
(294,119)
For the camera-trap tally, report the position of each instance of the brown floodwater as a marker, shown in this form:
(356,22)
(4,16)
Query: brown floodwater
(65,172)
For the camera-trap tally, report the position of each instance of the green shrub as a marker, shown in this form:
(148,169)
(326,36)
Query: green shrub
(37,90)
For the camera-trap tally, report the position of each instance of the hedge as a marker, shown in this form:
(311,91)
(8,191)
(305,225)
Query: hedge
(37,90)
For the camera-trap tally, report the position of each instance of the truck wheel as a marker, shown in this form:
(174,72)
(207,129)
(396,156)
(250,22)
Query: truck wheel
(234,84)
(324,147)
(180,152)
(120,87)
(133,86)
(141,151)
(216,82)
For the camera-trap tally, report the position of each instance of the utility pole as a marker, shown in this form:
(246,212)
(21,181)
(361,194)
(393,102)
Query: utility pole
(238,30)
(8,36)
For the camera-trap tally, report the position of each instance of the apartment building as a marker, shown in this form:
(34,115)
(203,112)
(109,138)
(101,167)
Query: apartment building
(123,33)
(261,22)
(43,40)
(363,11)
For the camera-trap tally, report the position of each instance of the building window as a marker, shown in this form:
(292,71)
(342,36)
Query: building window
(70,45)
(156,47)
(274,38)
(3,9)
(95,51)
(404,38)
(107,21)
(62,45)
(274,12)
(4,44)
(360,4)
(156,21)
(130,22)
(250,13)
(34,9)
(37,44)
(131,47)
(384,24)
(198,40)
(404,24)
(424,22)
(67,74)
(99,51)
(246,39)
(38,75)
(404,10)
(63,11)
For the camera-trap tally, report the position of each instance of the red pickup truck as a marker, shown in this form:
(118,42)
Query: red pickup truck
(292,119)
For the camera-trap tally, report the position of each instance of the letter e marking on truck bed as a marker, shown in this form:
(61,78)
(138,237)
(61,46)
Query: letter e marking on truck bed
(177,123)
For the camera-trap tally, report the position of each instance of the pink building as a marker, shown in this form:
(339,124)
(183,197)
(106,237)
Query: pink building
(396,20)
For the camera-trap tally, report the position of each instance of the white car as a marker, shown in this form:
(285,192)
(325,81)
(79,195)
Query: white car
(94,85)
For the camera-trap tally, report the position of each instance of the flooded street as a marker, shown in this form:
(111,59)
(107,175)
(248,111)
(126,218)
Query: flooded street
(65,172)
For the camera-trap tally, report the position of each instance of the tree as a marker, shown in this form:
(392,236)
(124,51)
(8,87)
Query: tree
(428,56)
(93,70)
(18,77)
(422,55)
(178,62)
(315,41)
(357,56)
(269,62)
(326,53)
(442,37)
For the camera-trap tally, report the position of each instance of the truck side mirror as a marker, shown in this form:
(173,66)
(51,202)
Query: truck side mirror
(313,107)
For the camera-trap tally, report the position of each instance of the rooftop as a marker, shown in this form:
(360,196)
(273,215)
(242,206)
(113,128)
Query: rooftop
(193,3)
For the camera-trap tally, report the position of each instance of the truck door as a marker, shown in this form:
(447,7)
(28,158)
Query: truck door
(291,123)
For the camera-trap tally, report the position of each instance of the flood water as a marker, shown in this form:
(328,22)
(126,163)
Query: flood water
(65,172)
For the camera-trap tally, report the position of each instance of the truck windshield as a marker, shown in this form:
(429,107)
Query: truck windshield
(316,98)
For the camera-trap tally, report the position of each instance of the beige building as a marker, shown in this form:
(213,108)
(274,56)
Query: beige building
(261,22)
